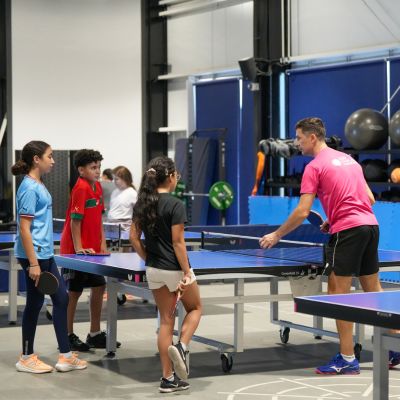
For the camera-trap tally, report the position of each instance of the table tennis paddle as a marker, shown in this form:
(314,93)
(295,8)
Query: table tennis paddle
(178,296)
(315,218)
(48,283)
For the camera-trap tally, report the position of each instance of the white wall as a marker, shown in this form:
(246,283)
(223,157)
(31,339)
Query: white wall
(210,40)
(205,42)
(321,26)
(76,68)
(215,40)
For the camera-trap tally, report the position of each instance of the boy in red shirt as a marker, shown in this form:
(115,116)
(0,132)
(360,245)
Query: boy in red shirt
(83,233)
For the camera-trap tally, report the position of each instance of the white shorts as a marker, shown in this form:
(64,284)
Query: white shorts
(157,278)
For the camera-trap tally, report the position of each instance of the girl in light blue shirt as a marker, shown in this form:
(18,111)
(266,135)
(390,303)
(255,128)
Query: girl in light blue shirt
(34,251)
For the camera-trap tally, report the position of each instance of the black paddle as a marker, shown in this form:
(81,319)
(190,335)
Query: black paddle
(48,283)
(315,219)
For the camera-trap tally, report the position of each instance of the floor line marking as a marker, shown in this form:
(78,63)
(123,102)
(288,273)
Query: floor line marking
(368,390)
(315,387)
(274,395)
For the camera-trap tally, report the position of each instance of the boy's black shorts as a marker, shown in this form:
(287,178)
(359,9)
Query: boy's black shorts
(353,252)
(76,280)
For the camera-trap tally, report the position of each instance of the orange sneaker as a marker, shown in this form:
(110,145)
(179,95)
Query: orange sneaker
(33,364)
(66,364)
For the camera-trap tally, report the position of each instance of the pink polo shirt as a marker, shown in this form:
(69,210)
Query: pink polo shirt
(338,181)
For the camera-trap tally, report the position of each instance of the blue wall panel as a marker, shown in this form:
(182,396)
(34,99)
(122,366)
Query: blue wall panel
(333,94)
(274,210)
(271,210)
(219,105)
(247,152)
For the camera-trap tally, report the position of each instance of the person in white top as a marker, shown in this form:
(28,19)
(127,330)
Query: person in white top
(123,198)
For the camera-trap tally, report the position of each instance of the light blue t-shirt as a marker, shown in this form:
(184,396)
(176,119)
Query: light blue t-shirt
(34,200)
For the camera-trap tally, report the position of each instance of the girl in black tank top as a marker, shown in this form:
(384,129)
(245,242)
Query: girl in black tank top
(161,218)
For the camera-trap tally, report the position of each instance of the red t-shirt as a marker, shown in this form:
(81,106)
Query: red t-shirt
(86,204)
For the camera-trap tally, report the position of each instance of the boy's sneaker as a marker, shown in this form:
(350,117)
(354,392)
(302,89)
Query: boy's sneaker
(33,364)
(177,384)
(76,344)
(339,366)
(179,359)
(99,341)
(394,358)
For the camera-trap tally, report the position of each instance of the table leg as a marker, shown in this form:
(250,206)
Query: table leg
(381,370)
(273,305)
(239,317)
(318,322)
(12,288)
(112,315)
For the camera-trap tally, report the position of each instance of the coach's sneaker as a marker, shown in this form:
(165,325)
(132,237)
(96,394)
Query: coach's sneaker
(394,358)
(98,341)
(76,344)
(339,366)
(177,384)
(65,364)
(178,357)
(33,365)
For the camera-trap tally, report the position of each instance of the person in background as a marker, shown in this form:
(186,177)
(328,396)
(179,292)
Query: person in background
(123,198)
(108,186)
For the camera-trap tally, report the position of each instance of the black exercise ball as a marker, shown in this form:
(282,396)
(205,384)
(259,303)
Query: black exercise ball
(366,129)
(375,170)
(394,128)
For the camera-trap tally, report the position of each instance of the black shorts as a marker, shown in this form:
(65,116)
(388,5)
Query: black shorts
(77,281)
(353,252)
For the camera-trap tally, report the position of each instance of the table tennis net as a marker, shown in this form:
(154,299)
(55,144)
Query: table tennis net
(295,251)
(112,231)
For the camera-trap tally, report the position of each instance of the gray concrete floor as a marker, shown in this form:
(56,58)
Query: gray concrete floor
(267,369)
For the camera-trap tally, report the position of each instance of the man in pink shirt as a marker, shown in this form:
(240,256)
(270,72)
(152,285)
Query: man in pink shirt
(338,181)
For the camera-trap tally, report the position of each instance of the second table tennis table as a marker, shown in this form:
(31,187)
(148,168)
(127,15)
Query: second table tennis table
(379,309)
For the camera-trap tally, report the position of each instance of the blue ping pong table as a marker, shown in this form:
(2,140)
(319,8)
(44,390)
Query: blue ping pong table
(116,239)
(125,273)
(9,263)
(381,310)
